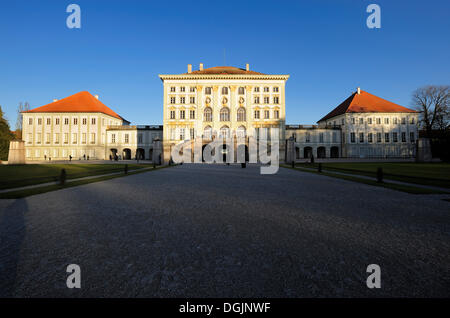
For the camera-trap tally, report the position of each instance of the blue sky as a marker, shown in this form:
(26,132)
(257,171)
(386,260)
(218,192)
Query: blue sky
(122,46)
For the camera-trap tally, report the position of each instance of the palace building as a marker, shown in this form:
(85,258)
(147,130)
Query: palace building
(226,101)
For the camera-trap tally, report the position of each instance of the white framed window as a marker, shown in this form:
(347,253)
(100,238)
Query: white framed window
(172,100)
(257,113)
(172,114)
(127,138)
(276,114)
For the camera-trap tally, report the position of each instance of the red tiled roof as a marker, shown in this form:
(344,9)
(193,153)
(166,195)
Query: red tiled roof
(225,70)
(82,102)
(365,102)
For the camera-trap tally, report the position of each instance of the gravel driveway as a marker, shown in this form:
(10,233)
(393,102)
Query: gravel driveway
(223,231)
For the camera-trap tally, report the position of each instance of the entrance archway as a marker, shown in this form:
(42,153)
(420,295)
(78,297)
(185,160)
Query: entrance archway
(334,152)
(113,153)
(126,154)
(150,154)
(321,153)
(307,152)
(140,154)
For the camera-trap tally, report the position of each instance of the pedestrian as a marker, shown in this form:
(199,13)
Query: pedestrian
(45,157)
(88,157)
(84,156)
(110,157)
(70,157)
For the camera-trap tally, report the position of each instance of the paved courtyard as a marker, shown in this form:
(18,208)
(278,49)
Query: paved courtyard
(223,231)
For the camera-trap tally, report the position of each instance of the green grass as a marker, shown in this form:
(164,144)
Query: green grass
(392,186)
(24,175)
(432,174)
(33,191)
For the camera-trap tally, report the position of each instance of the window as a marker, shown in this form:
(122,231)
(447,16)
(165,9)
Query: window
(47,138)
(275,89)
(266,89)
(225,132)
(412,121)
(56,138)
(39,121)
(352,137)
(192,89)
(172,133)
(224,114)
(342,121)
(93,121)
(256,101)
(74,138)
(66,121)
(369,121)
(361,121)
(83,138)
(266,100)
(75,121)
(266,114)
(182,89)
(386,121)
(378,137)
(172,114)
(192,114)
(334,137)
(353,120)
(276,114)
(182,114)
(172,100)
(395,121)
(394,137)
(207,114)
(113,138)
(403,137)
(49,121)
(369,137)
(307,137)
(208,90)
(361,137)
(30,138)
(256,90)
(256,114)
(241,114)
(192,133)
(30,121)
(127,138)
(321,137)
(386,137)
(181,133)
(172,89)
(207,132)
(412,137)
(84,122)
(224,90)
(378,121)
(140,138)
(192,100)
(182,100)
(241,91)
(276,100)
(92,138)
(66,138)
(403,121)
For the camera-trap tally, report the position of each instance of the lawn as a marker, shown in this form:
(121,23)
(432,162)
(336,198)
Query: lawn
(23,175)
(433,174)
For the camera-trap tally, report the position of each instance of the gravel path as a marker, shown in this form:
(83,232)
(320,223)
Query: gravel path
(223,231)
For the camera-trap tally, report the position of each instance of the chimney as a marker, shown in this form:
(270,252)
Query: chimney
(247,67)
(55,100)
(358,90)
(96,96)
(189,68)
(201,66)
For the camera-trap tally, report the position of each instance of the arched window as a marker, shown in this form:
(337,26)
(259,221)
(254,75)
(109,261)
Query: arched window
(225,131)
(207,114)
(241,131)
(224,90)
(241,91)
(207,132)
(224,114)
(241,114)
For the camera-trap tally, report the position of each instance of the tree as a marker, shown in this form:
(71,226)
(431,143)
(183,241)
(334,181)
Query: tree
(20,109)
(5,136)
(434,104)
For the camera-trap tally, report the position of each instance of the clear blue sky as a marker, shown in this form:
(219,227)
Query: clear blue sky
(123,45)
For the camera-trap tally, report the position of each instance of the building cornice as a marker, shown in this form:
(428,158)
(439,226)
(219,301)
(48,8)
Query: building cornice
(164,77)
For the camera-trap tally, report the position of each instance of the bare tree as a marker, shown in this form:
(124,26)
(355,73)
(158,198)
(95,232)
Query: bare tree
(433,102)
(20,109)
